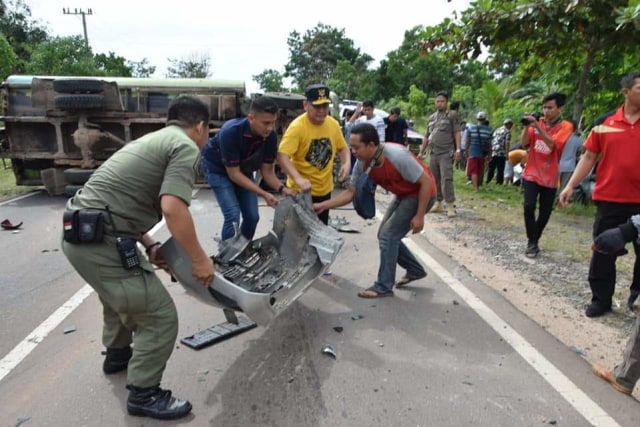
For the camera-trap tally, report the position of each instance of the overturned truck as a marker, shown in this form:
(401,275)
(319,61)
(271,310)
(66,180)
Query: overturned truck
(58,130)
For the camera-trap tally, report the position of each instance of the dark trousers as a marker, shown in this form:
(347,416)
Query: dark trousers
(602,270)
(496,163)
(324,216)
(544,197)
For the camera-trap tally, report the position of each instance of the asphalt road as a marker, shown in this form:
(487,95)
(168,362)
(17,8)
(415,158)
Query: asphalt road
(447,351)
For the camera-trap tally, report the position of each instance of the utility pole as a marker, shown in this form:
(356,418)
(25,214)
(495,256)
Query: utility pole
(75,11)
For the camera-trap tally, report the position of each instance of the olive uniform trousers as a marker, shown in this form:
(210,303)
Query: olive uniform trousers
(136,307)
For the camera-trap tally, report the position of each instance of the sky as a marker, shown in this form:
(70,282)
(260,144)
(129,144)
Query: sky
(242,38)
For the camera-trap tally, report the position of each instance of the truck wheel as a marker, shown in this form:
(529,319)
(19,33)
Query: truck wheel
(77,176)
(79,102)
(288,101)
(78,86)
(71,190)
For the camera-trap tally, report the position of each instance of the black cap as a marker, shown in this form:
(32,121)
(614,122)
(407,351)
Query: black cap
(317,94)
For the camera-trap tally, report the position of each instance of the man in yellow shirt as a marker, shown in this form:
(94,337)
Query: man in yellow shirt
(308,148)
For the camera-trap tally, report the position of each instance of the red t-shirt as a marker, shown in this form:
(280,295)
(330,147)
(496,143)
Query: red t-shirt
(542,161)
(618,174)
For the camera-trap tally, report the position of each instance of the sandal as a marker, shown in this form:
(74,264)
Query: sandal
(405,280)
(372,292)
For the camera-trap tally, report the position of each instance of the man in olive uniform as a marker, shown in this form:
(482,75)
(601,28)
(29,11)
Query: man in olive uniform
(147,179)
(443,141)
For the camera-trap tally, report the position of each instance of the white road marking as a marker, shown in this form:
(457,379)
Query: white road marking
(28,344)
(15,199)
(589,409)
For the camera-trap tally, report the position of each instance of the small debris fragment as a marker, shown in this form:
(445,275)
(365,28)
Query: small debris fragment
(467,383)
(69,329)
(578,350)
(553,422)
(44,250)
(7,225)
(290,379)
(355,248)
(15,232)
(455,302)
(338,329)
(22,420)
(357,317)
(330,351)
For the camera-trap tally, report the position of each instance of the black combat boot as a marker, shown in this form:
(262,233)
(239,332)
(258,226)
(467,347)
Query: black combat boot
(116,360)
(155,402)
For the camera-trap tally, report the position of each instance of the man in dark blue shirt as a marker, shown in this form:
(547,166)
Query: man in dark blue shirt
(229,160)
(396,130)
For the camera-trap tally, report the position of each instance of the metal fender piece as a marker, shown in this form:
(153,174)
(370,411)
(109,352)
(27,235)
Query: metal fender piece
(263,277)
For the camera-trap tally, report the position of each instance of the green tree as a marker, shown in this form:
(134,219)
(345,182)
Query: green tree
(562,37)
(270,80)
(314,56)
(196,65)
(141,68)
(20,31)
(8,58)
(112,65)
(63,56)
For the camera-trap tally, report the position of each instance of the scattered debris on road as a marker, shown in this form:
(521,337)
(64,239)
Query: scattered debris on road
(329,351)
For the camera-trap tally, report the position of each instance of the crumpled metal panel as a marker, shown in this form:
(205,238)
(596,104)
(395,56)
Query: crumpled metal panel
(263,277)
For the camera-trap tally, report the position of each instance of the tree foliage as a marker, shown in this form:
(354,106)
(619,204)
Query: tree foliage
(8,58)
(21,32)
(141,68)
(270,80)
(63,56)
(196,65)
(314,56)
(558,38)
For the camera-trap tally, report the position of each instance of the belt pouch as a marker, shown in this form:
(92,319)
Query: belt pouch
(90,226)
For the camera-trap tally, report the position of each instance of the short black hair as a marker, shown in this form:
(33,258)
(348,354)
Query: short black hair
(188,111)
(263,104)
(628,81)
(443,94)
(454,105)
(559,97)
(368,104)
(395,110)
(368,133)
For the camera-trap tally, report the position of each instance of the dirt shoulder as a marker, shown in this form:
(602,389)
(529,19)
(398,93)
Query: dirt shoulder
(488,238)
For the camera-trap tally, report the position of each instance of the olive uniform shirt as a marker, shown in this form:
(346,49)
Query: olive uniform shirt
(132,180)
(441,129)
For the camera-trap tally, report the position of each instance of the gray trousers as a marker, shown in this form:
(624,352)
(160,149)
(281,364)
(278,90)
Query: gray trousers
(442,167)
(628,372)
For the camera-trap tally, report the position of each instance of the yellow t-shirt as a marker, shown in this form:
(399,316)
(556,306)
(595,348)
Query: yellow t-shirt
(312,149)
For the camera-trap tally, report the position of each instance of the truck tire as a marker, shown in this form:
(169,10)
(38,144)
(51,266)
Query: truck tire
(71,190)
(78,86)
(79,102)
(77,176)
(287,101)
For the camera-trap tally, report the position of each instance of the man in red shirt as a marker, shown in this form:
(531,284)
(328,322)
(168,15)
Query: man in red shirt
(545,139)
(617,193)
(400,172)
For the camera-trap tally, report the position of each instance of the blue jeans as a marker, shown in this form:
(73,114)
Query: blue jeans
(233,201)
(394,226)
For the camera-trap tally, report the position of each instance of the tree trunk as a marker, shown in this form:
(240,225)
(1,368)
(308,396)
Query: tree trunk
(578,104)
